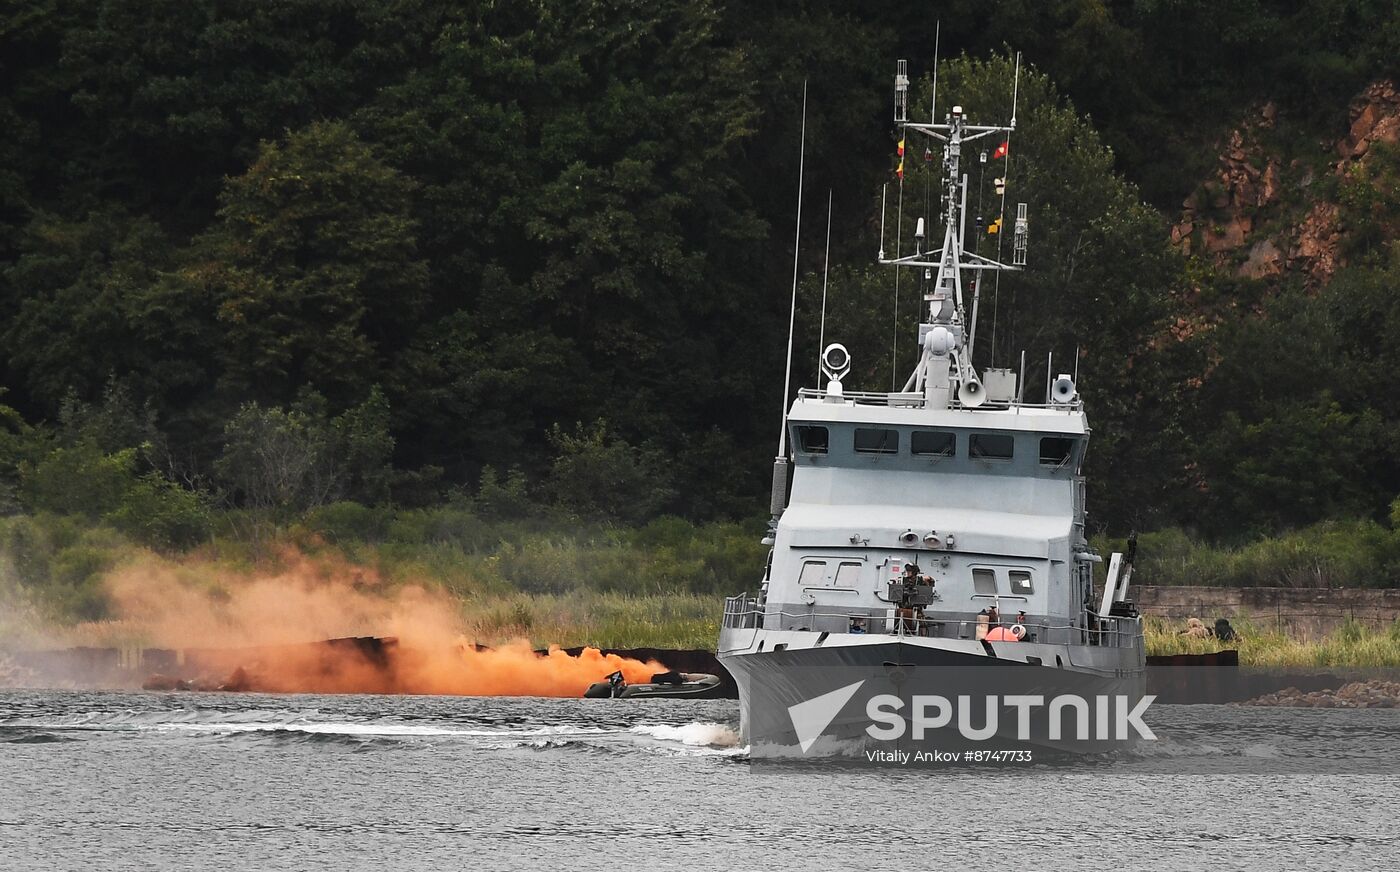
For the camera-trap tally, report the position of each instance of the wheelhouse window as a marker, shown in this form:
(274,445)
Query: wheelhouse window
(984,581)
(992,446)
(1056,451)
(932,443)
(1021,582)
(873,441)
(813,440)
(847,575)
(813,574)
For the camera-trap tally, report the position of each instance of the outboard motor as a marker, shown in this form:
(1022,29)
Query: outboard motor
(610,687)
(617,683)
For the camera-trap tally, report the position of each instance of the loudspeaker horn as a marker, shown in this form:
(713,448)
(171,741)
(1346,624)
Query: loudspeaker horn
(1063,390)
(971,393)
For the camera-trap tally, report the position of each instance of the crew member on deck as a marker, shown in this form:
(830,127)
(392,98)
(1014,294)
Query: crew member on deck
(910,615)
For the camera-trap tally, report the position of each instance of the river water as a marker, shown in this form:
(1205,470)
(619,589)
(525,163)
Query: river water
(102,781)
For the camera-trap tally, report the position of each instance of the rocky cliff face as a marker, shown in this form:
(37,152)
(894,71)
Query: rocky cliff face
(1264,212)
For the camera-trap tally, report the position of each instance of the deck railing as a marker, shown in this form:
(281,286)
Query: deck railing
(916,400)
(746,611)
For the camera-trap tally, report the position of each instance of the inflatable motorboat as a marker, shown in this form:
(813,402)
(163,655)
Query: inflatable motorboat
(662,684)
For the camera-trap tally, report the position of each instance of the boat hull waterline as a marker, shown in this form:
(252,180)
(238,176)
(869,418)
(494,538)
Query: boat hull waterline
(771,683)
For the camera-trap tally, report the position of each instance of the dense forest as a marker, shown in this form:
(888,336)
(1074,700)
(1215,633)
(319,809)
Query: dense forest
(279,254)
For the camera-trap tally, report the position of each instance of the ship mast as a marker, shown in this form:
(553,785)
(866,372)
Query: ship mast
(945,373)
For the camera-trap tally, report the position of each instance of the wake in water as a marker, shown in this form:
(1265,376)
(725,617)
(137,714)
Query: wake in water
(479,724)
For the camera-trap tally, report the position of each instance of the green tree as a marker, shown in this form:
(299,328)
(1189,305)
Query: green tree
(471,395)
(363,447)
(17,444)
(79,480)
(275,458)
(115,423)
(602,477)
(504,497)
(1300,462)
(162,514)
(314,268)
(84,480)
(296,459)
(519,213)
(93,300)
(166,97)
(582,193)
(1295,419)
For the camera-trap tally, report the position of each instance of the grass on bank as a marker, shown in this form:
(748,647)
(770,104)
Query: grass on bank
(1331,554)
(607,620)
(1350,645)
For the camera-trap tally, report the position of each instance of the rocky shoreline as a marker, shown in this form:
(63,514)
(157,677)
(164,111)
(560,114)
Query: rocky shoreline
(1357,694)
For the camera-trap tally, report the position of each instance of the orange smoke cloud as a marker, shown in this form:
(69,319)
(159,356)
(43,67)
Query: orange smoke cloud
(266,633)
(504,670)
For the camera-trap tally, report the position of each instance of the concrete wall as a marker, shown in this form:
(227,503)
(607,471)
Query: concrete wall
(1303,612)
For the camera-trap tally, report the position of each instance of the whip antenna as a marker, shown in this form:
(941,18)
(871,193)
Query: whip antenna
(780,462)
(1001,214)
(884,195)
(933,110)
(826,270)
(898,237)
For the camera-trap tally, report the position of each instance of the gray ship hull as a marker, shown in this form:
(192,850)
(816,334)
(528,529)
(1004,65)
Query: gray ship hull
(771,681)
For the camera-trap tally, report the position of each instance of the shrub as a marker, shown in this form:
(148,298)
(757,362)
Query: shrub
(79,480)
(346,522)
(665,531)
(80,564)
(447,526)
(82,480)
(161,514)
(1328,554)
(28,548)
(602,477)
(75,587)
(499,498)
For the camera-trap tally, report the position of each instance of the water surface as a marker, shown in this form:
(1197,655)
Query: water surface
(238,781)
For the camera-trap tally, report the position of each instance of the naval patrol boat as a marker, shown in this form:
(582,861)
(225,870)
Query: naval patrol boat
(933,542)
